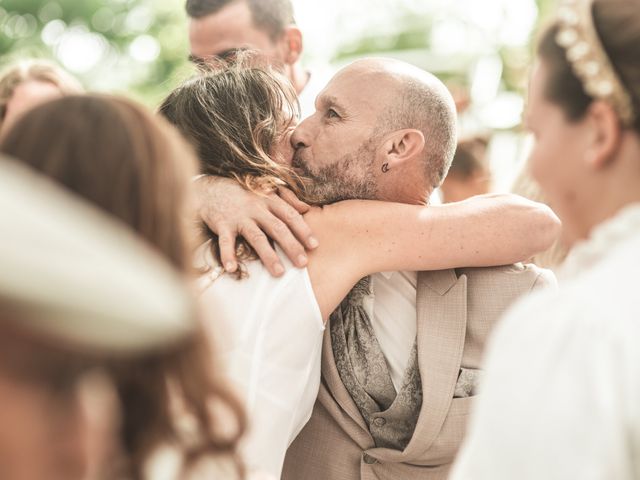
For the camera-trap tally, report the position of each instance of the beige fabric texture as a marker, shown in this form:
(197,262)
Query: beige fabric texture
(456,311)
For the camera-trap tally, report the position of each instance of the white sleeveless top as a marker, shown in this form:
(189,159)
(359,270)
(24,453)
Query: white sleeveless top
(269,333)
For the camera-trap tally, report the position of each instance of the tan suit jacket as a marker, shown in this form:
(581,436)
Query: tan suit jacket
(456,310)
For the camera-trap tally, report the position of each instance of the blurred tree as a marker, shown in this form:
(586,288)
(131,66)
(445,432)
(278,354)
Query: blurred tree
(135,45)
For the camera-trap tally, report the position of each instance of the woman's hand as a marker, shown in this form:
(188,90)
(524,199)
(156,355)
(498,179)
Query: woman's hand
(231,211)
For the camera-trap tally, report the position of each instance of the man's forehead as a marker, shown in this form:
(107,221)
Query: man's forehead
(354,90)
(231,28)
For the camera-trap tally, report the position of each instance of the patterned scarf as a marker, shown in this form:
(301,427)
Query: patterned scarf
(363,369)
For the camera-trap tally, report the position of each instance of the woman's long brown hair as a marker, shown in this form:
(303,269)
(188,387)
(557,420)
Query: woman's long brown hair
(133,165)
(234,115)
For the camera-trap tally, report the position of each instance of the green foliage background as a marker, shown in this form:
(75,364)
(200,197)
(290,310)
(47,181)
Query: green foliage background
(22,22)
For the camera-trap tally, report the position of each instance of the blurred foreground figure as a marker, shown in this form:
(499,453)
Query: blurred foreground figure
(29,83)
(470,173)
(77,292)
(561,398)
(136,168)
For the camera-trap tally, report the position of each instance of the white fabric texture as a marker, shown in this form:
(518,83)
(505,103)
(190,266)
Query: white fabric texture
(269,332)
(561,396)
(392,310)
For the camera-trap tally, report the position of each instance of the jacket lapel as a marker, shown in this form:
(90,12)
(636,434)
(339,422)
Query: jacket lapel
(442,320)
(334,383)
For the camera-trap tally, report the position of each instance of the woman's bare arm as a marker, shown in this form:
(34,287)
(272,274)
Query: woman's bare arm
(358,238)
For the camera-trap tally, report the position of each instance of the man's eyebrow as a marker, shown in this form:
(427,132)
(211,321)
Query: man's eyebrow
(327,101)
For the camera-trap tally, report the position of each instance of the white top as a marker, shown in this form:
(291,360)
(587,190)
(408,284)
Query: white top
(561,398)
(269,332)
(392,310)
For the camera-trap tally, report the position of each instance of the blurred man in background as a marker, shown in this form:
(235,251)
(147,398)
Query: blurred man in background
(219,28)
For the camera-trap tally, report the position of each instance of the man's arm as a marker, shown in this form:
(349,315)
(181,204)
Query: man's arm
(231,211)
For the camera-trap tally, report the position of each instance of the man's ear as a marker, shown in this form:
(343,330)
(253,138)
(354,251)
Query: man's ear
(292,38)
(403,145)
(605,134)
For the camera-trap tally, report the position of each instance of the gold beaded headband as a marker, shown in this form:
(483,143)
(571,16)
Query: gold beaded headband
(588,59)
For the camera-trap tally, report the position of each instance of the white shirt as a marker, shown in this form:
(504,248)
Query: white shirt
(392,310)
(269,332)
(561,396)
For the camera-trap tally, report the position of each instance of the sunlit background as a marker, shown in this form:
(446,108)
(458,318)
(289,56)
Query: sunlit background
(480,48)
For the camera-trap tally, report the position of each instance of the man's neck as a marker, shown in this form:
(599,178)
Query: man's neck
(404,196)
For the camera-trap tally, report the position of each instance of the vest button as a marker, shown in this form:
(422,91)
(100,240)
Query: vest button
(368,459)
(379,422)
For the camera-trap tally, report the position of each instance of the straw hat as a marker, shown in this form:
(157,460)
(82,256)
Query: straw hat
(70,272)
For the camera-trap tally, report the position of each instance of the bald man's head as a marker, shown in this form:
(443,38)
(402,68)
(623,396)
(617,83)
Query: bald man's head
(382,129)
(417,100)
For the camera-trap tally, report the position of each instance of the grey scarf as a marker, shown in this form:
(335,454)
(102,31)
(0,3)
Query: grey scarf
(363,369)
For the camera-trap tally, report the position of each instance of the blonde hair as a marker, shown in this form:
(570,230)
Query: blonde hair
(34,70)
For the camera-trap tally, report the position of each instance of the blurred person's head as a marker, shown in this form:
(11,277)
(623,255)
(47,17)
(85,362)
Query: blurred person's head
(239,120)
(218,29)
(51,427)
(470,173)
(584,105)
(29,83)
(383,129)
(134,166)
(71,304)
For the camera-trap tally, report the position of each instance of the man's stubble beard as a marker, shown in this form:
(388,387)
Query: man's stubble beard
(350,178)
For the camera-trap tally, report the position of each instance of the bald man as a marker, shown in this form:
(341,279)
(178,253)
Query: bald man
(401,358)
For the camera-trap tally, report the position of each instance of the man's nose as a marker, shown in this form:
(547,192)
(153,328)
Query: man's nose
(300,136)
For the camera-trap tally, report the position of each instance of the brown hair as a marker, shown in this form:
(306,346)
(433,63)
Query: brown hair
(234,117)
(618,26)
(272,16)
(136,167)
(34,70)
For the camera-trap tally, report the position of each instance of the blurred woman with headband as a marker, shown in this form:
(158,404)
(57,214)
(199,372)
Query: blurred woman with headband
(561,397)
